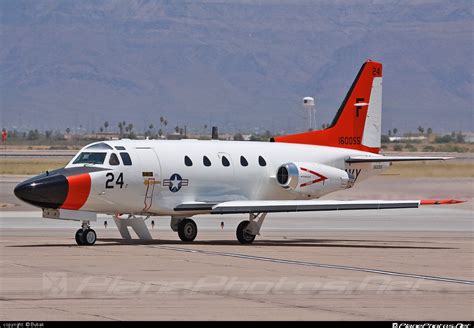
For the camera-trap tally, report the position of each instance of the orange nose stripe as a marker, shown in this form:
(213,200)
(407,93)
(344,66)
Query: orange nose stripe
(79,189)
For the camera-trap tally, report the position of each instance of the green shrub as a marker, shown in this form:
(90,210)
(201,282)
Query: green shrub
(444,139)
(398,147)
(429,148)
(452,149)
(410,147)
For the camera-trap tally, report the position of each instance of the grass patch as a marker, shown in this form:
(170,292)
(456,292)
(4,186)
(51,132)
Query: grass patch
(441,169)
(28,166)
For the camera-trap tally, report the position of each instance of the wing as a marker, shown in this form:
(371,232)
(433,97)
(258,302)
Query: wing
(274,206)
(378,159)
(269,206)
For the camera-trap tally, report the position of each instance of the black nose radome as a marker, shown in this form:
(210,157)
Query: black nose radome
(43,191)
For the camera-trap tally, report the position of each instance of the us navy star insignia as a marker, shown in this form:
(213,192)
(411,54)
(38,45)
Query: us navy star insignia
(175,182)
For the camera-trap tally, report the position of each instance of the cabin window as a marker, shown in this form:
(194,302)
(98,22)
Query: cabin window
(90,158)
(225,161)
(188,161)
(262,161)
(206,161)
(126,159)
(113,160)
(243,161)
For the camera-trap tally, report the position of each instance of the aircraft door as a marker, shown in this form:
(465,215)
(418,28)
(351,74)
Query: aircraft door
(149,176)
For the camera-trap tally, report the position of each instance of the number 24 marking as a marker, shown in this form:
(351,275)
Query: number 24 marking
(376,71)
(110,179)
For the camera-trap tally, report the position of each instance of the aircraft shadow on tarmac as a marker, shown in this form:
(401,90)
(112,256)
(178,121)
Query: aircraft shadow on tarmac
(316,243)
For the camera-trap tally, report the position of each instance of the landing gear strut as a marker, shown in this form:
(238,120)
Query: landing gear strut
(187,230)
(86,235)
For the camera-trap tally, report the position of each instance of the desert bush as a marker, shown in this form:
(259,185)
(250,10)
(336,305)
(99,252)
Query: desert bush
(398,147)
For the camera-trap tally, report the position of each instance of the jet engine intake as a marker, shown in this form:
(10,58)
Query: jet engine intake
(313,179)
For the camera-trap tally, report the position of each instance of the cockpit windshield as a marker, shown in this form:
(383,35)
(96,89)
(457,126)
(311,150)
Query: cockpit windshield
(100,145)
(90,158)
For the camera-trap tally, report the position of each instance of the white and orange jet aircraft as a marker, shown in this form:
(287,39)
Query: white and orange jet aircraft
(136,179)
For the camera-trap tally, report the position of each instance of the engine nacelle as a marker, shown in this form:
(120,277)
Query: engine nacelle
(313,179)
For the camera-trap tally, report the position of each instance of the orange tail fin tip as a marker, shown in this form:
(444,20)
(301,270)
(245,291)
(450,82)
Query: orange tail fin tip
(357,124)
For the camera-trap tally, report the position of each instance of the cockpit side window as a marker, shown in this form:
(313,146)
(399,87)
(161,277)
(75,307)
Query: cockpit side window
(126,159)
(113,160)
(90,158)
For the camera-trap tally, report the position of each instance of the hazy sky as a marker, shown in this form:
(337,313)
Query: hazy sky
(240,65)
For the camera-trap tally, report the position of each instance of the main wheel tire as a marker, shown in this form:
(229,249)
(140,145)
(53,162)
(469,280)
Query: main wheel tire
(79,235)
(243,236)
(89,237)
(187,230)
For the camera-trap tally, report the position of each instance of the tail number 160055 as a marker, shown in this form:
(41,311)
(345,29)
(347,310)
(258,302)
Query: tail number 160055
(349,140)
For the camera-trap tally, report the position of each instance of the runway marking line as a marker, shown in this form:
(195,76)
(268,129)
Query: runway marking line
(322,265)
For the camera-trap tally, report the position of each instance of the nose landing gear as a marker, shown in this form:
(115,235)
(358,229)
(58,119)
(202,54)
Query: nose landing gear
(85,236)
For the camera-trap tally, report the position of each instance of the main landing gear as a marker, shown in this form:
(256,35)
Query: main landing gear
(248,230)
(186,228)
(244,236)
(85,235)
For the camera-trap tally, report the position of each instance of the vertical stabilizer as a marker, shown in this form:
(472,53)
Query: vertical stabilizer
(357,124)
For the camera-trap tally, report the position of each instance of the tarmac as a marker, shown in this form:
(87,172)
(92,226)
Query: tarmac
(408,264)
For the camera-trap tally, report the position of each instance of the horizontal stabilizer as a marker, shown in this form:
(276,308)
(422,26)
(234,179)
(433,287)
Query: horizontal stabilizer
(378,159)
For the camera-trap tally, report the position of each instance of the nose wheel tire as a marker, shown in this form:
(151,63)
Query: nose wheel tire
(86,237)
(187,230)
(79,234)
(89,237)
(243,236)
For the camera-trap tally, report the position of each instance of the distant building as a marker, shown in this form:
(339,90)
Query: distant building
(408,138)
(174,136)
(468,137)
